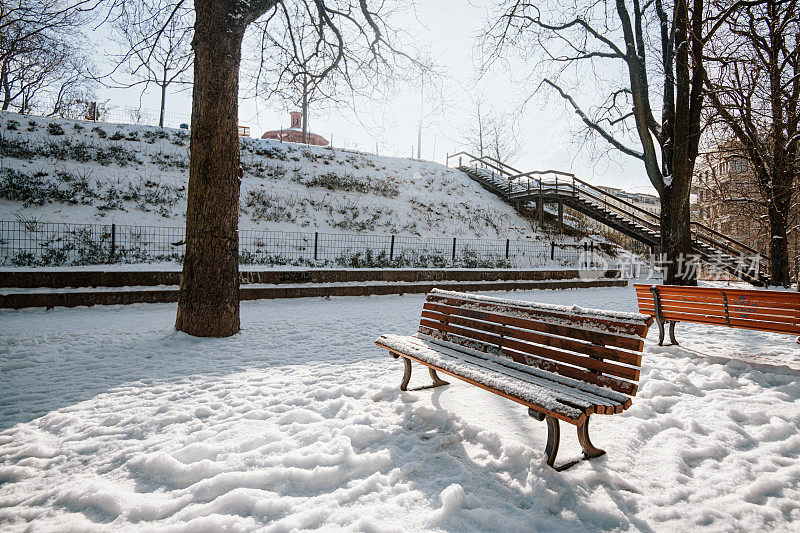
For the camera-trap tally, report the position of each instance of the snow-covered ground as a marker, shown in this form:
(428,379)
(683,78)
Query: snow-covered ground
(112,421)
(57,170)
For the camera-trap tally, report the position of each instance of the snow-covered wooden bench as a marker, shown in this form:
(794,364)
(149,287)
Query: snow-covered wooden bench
(563,363)
(774,311)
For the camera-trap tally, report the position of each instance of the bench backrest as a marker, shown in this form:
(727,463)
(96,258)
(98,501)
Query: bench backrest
(599,347)
(774,311)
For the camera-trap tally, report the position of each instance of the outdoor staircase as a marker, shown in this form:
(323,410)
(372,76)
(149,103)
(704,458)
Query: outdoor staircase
(526,190)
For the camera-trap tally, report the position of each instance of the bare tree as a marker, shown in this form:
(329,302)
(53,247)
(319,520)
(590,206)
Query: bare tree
(165,61)
(476,134)
(491,133)
(626,44)
(298,64)
(208,301)
(754,86)
(302,62)
(432,100)
(39,49)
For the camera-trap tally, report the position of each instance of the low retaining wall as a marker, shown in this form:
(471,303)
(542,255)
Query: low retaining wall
(170,295)
(100,278)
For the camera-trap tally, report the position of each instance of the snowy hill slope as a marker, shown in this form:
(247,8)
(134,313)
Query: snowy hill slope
(56,170)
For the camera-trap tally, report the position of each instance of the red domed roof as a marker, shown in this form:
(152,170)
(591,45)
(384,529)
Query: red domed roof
(294,134)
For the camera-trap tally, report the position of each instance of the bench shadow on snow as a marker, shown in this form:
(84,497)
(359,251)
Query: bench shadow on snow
(509,479)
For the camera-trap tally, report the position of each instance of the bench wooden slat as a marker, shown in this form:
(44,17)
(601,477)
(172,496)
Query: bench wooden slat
(627,341)
(734,312)
(602,380)
(503,358)
(632,358)
(778,314)
(607,326)
(550,353)
(779,298)
(568,392)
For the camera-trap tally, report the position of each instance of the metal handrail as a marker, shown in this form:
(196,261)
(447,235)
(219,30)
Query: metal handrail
(730,239)
(609,201)
(484,161)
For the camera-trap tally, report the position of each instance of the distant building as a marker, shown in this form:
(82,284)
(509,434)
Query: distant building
(726,196)
(648,202)
(294,133)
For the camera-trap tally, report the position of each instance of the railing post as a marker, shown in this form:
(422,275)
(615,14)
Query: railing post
(459,162)
(454,250)
(316,238)
(552,250)
(541,205)
(391,249)
(508,243)
(113,240)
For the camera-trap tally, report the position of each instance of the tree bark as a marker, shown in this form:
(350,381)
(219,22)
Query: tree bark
(163,99)
(778,212)
(305,111)
(676,240)
(208,303)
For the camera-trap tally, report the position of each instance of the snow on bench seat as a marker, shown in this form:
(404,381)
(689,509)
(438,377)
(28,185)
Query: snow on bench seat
(570,398)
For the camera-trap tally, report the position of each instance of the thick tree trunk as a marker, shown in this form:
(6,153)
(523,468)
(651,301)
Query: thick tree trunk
(676,240)
(163,99)
(305,112)
(208,304)
(778,245)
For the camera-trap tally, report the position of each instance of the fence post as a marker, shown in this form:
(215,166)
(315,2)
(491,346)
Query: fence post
(586,254)
(454,250)
(391,249)
(552,250)
(113,240)
(508,242)
(459,161)
(316,238)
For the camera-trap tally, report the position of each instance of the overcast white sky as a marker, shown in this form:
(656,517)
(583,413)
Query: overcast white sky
(449,29)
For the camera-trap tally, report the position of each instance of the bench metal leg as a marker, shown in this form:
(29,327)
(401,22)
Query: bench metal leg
(662,332)
(406,373)
(660,324)
(437,381)
(554,438)
(589,449)
(672,332)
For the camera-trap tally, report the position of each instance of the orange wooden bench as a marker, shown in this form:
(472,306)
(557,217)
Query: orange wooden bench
(773,311)
(563,363)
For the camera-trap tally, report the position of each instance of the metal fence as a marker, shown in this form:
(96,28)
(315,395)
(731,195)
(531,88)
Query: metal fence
(33,243)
